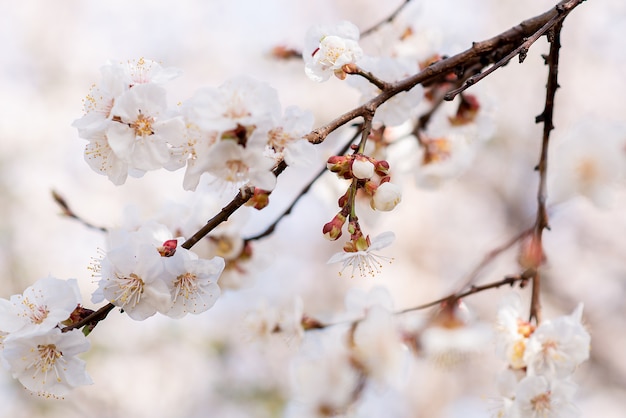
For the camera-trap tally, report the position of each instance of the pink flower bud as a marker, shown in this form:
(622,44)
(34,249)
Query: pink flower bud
(168,248)
(332,230)
(382,168)
(531,253)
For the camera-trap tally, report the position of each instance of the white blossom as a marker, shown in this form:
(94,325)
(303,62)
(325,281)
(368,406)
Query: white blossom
(240,101)
(513,332)
(46,363)
(386,197)
(40,308)
(232,164)
(141,128)
(133,274)
(193,282)
(558,346)
(328,48)
(286,138)
(538,397)
(367,261)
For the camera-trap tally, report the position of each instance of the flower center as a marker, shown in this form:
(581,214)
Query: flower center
(185,285)
(143,125)
(436,150)
(237,171)
(129,290)
(36,313)
(277,139)
(541,403)
(47,356)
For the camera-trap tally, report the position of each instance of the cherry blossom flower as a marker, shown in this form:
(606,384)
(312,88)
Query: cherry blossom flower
(40,308)
(328,48)
(193,283)
(141,128)
(536,396)
(102,159)
(513,332)
(240,101)
(558,346)
(366,260)
(46,363)
(133,274)
(286,138)
(232,164)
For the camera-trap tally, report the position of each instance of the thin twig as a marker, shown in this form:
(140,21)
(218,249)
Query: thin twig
(67,211)
(489,257)
(389,19)
(509,280)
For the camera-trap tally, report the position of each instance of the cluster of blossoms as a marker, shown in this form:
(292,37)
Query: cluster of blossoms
(235,132)
(146,271)
(541,361)
(372,176)
(33,346)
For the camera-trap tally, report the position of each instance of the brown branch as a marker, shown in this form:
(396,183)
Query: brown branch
(311,323)
(389,19)
(67,211)
(486,52)
(521,50)
(546,117)
(92,319)
(509,280)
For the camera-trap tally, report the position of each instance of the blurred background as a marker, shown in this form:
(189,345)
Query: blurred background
(206,365)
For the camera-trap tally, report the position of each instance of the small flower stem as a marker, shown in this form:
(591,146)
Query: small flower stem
(382,85)
(270,229)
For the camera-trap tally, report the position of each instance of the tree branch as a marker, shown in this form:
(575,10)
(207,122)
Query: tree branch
(546,117)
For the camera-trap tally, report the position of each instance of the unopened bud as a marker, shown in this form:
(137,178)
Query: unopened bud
(386,197)
(362,168)
(332,230)
(382,168)
(168,248)
(531,253)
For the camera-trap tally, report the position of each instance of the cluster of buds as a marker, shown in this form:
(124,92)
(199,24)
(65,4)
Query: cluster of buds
(371,175)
